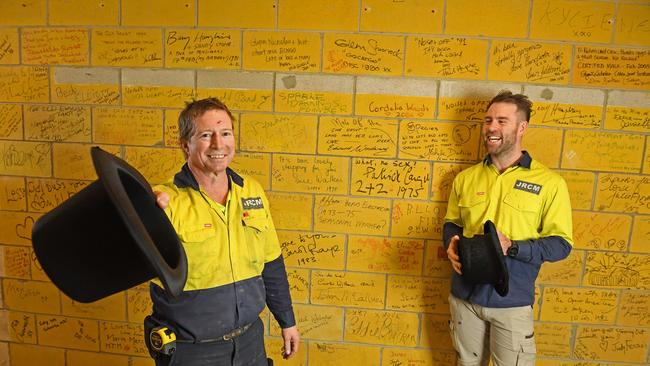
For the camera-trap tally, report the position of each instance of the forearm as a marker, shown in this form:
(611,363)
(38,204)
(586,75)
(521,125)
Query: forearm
(278,297)
(449,229)
(545,249)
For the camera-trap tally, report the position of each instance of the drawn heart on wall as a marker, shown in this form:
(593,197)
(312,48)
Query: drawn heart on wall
(24,230)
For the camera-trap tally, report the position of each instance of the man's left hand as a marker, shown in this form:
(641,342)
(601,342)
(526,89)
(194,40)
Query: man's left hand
(291,338)
(505,242)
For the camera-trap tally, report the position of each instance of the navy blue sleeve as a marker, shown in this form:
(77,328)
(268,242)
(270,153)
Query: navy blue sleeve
(545,249)
(278,297)
(449,229)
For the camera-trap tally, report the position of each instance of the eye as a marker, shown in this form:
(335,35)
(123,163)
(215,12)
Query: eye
(205,135)
(226,133)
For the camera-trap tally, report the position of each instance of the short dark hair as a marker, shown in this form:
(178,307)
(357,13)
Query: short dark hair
(524,105)
(194,110)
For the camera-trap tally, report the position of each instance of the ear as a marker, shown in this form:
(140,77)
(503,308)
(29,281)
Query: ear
(185,147)
(523,126)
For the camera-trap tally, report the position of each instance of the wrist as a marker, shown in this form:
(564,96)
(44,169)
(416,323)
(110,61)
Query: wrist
(513,250)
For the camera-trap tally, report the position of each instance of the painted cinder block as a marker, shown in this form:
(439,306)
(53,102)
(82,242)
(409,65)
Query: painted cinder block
(157,165)
(359,215)
(632,24)
(640,241)
(551,339)
(138,305)
(361,54)
(418,294)
(567,272)
(132,126)
(323,323)
(532,62)
(109,308)
(299,285)
(83,12)
(363,290)
(17,227)
(157,88)
(581,188)
(122,338)
(9,46)
(396,98)
(385,255)
(578,21)
(31,296)
(73,161)
(330,353)
(88,85)
(44,194)
(417,357)
(190,48)
(55,46)
(278,133)
(241,14)
(381,327)
(310,174)
(20,12)
(292,211)
(13,194)
(80,358)
(407,179)
(468,18)
(628,111)
(14,262)
(468,100)
(594,343)
(446,57)
(616,270)
(312,250)
(566,107)
(313,94)
(24,84)
(25,158)
(257,165)
(611,67)
(414,219)
(285,51)
(130,47)
(319,15)
(402,17)
(622,193)
(579,305)
(354,136)
(158,13)
(246,91)
(28,355)
(46,122)
(587,150)
(60,331)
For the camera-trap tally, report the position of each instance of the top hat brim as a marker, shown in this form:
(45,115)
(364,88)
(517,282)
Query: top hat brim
(109,237)
(491,236)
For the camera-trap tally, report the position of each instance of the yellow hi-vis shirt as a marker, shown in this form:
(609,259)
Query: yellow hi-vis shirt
(523,202)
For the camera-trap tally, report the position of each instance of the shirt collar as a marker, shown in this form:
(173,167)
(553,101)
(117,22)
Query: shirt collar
(524,161)
(185,178)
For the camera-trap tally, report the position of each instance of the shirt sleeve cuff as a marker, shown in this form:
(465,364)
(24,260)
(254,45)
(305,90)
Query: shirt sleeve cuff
(525,253)
(285,319)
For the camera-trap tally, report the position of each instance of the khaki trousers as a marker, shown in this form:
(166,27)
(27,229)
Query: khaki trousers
(504,334)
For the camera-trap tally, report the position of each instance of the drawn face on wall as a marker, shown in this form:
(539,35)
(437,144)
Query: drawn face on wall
(211,148)
(503,131)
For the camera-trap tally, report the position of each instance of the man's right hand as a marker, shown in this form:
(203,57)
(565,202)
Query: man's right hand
(162,199)
(452,254)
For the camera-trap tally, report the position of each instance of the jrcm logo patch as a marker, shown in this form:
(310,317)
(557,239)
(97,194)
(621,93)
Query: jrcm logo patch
(252,202)
(528,187)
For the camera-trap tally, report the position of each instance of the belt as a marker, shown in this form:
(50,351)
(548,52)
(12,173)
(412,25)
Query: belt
(226,337)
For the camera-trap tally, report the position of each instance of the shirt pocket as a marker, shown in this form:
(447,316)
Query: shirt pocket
(256,226)
(472,210)
(201,250)
(524,207)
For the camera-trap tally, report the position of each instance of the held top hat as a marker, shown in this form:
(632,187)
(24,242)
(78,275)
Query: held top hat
(109,237)
(482,259)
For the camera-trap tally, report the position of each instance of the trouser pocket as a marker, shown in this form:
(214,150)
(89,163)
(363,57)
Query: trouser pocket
(527,351)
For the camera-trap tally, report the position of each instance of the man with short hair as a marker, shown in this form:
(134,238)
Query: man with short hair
(530,207)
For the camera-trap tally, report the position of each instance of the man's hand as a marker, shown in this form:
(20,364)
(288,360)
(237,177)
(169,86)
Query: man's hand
(162,199)
(291,338)
(505,242)
(452,254)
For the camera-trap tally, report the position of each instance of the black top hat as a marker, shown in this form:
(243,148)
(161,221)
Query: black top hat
(482,259)
(109,237)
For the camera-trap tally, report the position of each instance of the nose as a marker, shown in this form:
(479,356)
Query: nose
(216,141)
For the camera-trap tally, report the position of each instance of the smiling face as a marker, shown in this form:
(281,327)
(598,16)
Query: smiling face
(502,131)
(211,147)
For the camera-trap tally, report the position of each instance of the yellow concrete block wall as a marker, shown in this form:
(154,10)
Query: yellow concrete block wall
(355,116)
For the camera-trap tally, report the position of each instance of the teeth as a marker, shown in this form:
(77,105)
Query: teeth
(216,156)
(494,138)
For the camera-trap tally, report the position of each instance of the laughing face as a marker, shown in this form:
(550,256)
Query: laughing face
(212,146)
(503,131)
